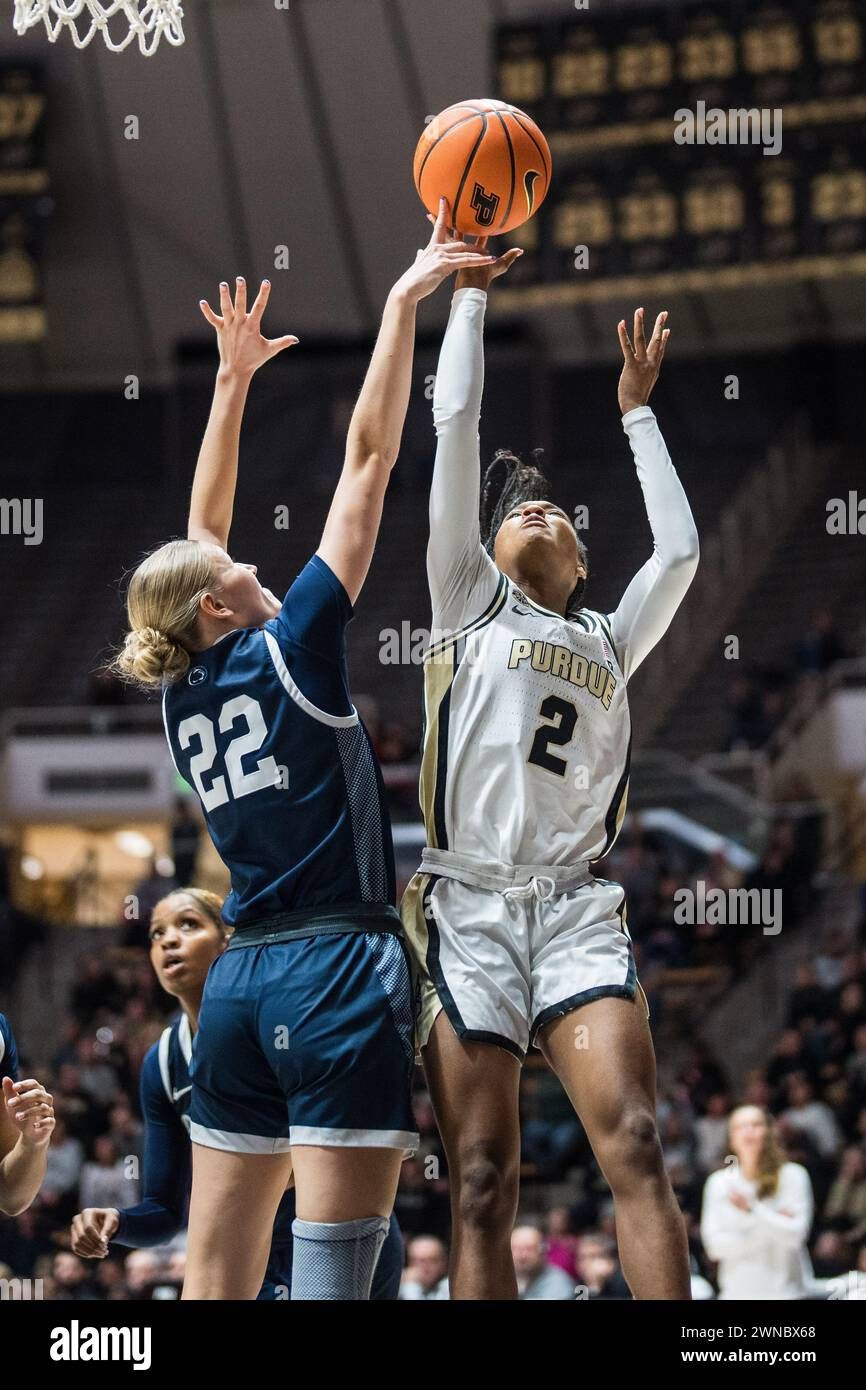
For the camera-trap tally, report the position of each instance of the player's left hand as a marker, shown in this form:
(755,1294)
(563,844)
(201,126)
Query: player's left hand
(242,345)
(31,1110)
(642,362)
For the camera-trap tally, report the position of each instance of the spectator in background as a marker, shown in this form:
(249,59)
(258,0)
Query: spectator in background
(146,894)
(186,830)
(426,1274)
(851,1013)
(808,999)
(750,727)
(787,1057)
(537,1278)
(562,1242)
(104,1180)
(856,1065)
(64,1164)
(95,1076)
(69,1279)
(142,1270)
(757,1214)
(820,646)
(814,1116)
(845,1208)
(599,1269)
(711,1133)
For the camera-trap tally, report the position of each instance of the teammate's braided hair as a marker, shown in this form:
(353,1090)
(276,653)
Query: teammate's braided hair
(507,482)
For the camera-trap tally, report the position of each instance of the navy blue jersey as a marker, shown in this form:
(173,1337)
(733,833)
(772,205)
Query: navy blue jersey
(263,727)
(165,1093)
(8,1050)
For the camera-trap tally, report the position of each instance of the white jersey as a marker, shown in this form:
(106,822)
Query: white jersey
(527,730)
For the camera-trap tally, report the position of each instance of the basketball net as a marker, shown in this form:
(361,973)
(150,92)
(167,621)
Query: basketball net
(147,21)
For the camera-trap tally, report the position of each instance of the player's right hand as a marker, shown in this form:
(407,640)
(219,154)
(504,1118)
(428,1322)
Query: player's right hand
(443,254)
(92,1229)
(243,348)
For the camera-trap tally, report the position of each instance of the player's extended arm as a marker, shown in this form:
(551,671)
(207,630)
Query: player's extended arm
(242,350)
(165,1180)
(657,590)
(377,422)
(166,1170)
(454,548)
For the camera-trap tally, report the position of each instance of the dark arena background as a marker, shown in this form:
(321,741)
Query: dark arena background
(277,141)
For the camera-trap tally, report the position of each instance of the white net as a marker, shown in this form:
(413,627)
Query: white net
(118,21)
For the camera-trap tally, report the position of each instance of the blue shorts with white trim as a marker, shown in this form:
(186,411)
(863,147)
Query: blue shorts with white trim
(306,1041)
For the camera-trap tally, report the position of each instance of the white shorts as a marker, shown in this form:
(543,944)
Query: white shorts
(502,962)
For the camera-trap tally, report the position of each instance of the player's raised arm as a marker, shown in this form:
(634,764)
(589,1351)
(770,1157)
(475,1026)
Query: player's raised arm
(454,549)
(377,423)
(242,349)
(657,590)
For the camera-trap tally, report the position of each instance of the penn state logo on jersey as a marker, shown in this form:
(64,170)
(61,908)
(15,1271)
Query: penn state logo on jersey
(197,676)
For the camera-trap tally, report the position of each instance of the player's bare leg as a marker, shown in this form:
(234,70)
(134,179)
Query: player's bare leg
(345,1184)
(231,1216)
(474,1090)
(610,1080)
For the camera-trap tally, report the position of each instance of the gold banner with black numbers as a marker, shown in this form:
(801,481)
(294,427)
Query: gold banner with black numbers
(692,140)
(24,202)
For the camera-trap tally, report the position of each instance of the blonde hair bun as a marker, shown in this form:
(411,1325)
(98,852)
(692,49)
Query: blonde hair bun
(151,657)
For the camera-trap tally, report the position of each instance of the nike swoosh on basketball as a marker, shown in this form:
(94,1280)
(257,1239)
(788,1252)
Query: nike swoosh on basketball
(529,187)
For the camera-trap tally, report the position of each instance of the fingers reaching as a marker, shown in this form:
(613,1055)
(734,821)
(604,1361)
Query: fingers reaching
(213,319)
(625,341)
(240,295)
(261,301)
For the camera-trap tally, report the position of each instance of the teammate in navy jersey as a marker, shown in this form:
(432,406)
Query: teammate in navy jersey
(187,933)
(26,1125)
(305,1049)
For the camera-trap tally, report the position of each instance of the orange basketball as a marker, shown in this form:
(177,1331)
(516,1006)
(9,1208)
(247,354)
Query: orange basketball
(489,160)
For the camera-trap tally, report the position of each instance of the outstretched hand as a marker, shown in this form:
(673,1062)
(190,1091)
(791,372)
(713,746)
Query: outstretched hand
(481,278)
(242,346)
(642,362)
(443,254)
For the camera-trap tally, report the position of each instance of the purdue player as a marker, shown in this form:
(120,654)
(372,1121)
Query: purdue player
(303,1056)
(523,785)
(187,934)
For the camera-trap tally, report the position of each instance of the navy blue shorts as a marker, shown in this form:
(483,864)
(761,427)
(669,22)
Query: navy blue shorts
(306,1041)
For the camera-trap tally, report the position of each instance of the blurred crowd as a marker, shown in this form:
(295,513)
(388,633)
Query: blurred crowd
(761,697)
(814,1082)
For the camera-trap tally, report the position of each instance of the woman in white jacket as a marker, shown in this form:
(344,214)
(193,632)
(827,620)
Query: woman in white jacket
(756,1215)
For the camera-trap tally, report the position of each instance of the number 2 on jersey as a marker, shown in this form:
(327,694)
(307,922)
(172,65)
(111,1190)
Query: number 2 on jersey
(198,726)
(558,734)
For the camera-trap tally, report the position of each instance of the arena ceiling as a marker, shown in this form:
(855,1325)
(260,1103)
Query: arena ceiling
(286,127)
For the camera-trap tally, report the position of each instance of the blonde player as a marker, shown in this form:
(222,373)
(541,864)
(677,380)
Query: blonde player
(523,786)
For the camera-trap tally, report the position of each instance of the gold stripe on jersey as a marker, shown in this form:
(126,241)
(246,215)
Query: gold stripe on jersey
(490,611)
(417,932)
(440,668)
(438,677)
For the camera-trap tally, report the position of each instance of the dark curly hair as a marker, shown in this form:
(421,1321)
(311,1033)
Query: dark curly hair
(507,482)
